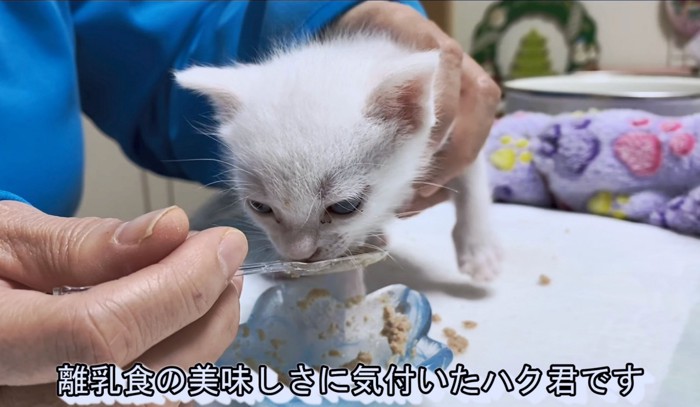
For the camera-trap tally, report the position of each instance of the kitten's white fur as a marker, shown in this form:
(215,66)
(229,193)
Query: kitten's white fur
(331,120)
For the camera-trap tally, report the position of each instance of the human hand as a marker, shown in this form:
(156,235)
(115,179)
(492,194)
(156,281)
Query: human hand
(467,97)
(159,297)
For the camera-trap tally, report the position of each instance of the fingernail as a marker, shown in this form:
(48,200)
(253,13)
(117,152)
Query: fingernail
(232,250)
(141,228)
(237,282)
(427,190)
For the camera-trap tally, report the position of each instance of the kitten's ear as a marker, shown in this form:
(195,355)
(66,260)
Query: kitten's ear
(405,98)
(214,83)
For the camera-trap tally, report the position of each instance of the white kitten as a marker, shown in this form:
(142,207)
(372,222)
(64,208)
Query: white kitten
(326,139)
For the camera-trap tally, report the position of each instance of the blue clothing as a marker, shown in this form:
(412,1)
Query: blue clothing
(114,61)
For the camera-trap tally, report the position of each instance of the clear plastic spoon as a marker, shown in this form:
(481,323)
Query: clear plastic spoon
(291,268)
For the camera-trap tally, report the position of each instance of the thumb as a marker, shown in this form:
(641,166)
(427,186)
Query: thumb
(42,251)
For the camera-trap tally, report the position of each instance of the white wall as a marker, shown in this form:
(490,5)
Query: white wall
(630,33)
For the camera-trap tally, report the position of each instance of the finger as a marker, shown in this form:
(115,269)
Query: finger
(478,104)
(42,251)
(44,395)
(205,340)
(426,35)
(117,321)
(447,86)
(419,203)
(37,395)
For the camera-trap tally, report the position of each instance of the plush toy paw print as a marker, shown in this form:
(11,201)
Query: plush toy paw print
(626,164)
(514,151)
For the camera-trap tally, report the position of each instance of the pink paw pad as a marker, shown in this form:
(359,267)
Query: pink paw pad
(682,144)
(640,122)
(640,153)
(670,127)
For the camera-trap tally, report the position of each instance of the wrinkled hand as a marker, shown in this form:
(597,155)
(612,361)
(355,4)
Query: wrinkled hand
(467,100)
(160,297)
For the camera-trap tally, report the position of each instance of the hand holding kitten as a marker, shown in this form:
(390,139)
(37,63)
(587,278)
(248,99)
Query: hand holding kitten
(466,106)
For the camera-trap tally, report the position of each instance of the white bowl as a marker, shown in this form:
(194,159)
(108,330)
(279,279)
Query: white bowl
(664,95)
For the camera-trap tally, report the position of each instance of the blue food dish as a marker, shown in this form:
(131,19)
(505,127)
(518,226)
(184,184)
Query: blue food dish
(289,327)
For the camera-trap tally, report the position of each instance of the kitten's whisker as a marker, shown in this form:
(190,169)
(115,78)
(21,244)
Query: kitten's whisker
(379,249)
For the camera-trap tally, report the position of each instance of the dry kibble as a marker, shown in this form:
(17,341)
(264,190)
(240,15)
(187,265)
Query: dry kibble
(245,331)
(362,357)
(544,280)
(261,334)
(312,296)
(334,352)
(436,318)
(456,342)
(276,343)
(352,301)
(469,324)
(396,329)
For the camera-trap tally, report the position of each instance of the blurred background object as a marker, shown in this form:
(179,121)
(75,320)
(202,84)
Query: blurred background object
(663,95)
(684,17)
(565,23)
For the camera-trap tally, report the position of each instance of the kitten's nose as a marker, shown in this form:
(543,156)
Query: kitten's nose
(301,249)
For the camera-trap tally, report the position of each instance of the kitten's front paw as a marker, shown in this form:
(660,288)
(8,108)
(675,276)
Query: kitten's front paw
(482,261)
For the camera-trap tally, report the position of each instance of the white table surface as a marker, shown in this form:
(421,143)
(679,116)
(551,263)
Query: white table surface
(620,292)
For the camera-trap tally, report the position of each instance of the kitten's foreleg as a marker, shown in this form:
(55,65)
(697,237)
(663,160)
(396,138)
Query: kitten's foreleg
(478,253)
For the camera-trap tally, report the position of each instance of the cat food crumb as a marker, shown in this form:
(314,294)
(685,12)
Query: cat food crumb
(544,280)
(365,318)
(274,355)
(469,324)
(245,331)
(362,357)
(396,329)
(261,334)
(332,329)
(352,301)
(313,295)
(276,343)
(334,352)
(437,318)
(456,342)
(284,379)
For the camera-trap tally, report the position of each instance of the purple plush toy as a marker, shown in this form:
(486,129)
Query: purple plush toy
(627,164)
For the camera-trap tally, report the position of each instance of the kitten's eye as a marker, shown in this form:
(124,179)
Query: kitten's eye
(345,207)
(260,207)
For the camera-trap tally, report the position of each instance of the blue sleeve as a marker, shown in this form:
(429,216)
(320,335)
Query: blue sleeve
(114,60)
(6,196)
(41,150)
(126,52)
